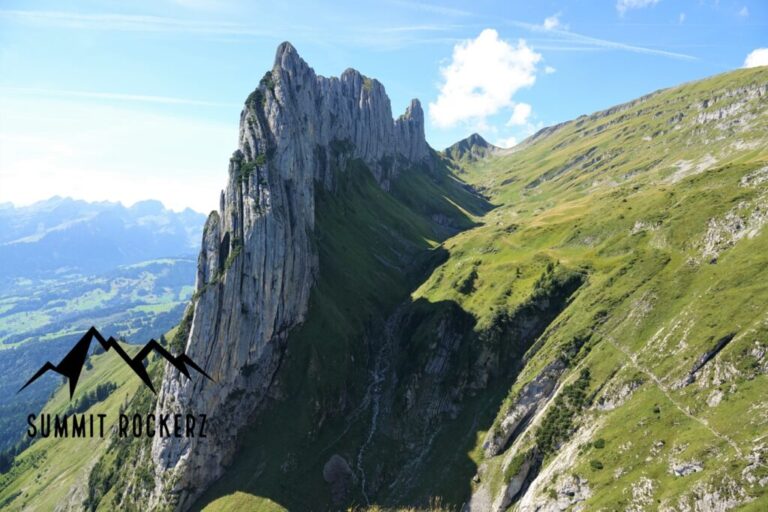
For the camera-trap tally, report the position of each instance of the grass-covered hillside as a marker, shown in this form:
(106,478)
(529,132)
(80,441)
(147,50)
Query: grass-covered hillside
(662,203)
(53,471)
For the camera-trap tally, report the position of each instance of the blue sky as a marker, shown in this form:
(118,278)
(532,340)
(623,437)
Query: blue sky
(106,100)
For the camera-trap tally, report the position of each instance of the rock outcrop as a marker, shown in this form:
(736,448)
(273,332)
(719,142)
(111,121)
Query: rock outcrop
(534,395)
(339,477)
(257,264)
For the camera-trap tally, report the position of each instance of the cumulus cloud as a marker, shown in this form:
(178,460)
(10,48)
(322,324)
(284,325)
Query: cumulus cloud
(549,70)
(624,5)
(552,22)
(520,114)
(757,57)
(482,78)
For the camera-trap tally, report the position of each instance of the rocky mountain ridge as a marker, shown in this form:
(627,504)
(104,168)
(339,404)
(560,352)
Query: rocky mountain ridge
(298,131)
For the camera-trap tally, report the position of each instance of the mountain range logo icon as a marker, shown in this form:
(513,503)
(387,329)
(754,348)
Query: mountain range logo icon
(72,364)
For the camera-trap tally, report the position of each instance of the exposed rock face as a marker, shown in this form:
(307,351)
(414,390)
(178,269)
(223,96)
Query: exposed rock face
(642,494)
(685,468)
(568,493)
(514,485)
(616,395)
(713,109)
(745,220)
(257,263)
(532,396)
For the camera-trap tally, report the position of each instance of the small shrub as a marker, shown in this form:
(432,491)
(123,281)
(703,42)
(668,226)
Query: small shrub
(246,169)
(596,464)
(557,425)
(256,98)
(268,81)
(514,466)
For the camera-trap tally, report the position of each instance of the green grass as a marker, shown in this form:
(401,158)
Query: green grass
(639,236)
(45,473)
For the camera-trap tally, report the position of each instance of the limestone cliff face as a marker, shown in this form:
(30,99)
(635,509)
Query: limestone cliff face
(257,264)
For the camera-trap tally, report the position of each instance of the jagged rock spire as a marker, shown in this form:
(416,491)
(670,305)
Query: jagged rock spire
(257,263)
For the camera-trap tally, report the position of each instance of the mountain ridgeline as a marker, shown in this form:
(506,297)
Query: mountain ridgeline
(315,230)
(577,323)
(61,236)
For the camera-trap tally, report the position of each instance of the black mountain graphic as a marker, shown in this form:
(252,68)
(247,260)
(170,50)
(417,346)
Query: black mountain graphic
(72,364)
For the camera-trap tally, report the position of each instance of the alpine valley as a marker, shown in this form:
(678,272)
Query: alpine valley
(577,323)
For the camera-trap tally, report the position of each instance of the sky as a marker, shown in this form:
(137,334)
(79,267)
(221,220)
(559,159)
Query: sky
(125,101)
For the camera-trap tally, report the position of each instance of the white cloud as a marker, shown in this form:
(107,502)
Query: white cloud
(549,70)
(757,57)
(681,18)
(624,5)
(744,12)
(483,76)
(520,114)
(507,143)
(552,22)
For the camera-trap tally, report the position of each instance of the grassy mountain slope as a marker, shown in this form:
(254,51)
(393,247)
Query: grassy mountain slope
(52,470)
(40,319)
(662,203)
(58,473)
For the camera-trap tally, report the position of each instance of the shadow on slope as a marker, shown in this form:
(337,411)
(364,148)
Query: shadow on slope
(380,398)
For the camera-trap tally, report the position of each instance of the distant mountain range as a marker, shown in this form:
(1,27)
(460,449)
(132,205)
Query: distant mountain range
(64,235)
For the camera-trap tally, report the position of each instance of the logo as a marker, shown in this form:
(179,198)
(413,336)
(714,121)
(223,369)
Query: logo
(72,364)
